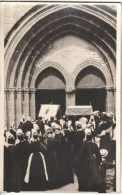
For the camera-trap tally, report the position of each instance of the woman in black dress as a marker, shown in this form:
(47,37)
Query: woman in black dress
(36,174)
(86,163)
(12,171)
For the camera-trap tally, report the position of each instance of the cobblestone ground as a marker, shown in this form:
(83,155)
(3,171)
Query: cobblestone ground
(74,187)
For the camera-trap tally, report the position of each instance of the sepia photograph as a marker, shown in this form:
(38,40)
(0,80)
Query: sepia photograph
(61,94)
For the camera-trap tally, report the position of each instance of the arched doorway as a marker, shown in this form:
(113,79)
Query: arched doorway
(50,86)
(90,88)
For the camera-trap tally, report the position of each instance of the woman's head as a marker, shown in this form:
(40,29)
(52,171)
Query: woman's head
(35,135)
(20,136)
(88,133)
(11,140)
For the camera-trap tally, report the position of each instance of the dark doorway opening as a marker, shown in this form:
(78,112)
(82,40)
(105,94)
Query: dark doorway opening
(94,97)
(50,97)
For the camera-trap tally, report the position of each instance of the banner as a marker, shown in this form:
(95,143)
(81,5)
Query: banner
(79,110)
(48,110)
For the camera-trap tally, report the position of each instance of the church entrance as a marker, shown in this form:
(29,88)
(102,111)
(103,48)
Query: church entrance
(90,88)
(50,89)
(94,97)
(50,97)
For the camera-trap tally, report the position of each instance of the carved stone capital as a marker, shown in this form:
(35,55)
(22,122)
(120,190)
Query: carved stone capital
(70,89)
(6,91)
(20,91)
(110,89)
(9,90)
(33,91)
(26,91)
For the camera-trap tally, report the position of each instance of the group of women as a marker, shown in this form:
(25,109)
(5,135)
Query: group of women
(46,154)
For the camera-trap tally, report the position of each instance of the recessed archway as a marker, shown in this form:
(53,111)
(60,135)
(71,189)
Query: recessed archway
(29,39)
(50,89)
(91,88)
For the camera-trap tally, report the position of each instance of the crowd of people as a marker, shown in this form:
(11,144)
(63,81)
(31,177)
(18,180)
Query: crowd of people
(45,154)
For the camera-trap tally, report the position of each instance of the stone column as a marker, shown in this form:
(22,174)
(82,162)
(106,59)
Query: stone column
(9,106)
(32,104)
(70,95)
(110,104)
(114,90)
(18,93)
(26,102)
(5,107)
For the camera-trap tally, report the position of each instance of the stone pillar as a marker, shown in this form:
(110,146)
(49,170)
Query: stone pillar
(32,104)
(114,90)
(18,105)
(70,95)
(9,106)
(5,107)
(110,103)
(26,100)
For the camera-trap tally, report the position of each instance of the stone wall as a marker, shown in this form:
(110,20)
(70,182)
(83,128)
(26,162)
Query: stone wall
(13,12)
(70,51)
(68,38)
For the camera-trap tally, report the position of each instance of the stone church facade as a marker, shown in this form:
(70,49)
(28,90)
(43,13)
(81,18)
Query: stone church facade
(60,53)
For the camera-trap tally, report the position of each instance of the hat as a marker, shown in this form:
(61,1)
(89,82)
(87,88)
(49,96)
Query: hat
(64,117)
(109,114)
(57,131)
(69,122)
(104,113)
(84,125)
(19,131)
(87,131)
(28,118)
(83,119)
(21,120)
(33,131)
(12,125)
(49,130)
(104,152)
(28,133)
(53,125)
(57,126)
(8,133)
(23,117)
(77,122)
(89,125)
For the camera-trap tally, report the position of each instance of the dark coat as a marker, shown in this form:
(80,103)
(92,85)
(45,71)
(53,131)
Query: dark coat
(74,139)
(53,155)
(86,163)
(37,179)
(65,161)
(22,154)
(12,170)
